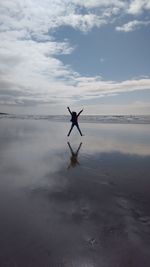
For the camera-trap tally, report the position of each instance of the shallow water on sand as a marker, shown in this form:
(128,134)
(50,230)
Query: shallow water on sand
(74,202)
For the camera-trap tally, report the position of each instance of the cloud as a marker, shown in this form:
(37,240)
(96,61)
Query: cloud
(138,6)
(39,17)
(83,22)
(95,86)
(132,25)
(100,3)
(31,73)
(136,108)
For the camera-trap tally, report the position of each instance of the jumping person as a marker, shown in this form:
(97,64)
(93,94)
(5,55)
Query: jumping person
(74,120)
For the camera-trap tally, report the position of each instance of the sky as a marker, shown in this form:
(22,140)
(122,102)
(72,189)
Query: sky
(91,54)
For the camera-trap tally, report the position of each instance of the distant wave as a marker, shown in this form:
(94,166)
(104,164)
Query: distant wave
(132,119)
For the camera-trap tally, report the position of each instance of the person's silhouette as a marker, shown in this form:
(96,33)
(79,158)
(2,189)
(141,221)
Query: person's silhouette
(74,156)
(74,120)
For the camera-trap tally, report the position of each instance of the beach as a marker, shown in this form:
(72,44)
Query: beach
(77,201)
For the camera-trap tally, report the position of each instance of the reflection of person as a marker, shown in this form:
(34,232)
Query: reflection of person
(74,120)
(74,156)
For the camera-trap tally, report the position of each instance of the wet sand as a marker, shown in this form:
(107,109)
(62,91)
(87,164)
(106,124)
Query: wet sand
(77,201)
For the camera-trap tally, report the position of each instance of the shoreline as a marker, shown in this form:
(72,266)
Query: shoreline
(116,119)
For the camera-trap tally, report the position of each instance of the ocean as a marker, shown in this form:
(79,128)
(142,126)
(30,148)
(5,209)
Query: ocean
(132,119)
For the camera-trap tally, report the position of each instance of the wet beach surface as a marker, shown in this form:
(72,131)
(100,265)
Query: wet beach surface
(60,207)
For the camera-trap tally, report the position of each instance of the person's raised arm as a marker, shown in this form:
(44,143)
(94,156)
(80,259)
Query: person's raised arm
(69,110)
(80,112)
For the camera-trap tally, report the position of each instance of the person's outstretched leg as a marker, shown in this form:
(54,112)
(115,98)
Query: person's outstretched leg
(71,129)
(79,129)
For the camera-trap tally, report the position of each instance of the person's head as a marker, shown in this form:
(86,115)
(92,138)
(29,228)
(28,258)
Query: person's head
(74,113)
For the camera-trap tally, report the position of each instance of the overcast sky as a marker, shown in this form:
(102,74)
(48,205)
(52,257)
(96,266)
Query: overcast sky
(82,53)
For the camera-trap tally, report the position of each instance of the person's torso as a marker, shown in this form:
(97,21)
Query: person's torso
(74,118)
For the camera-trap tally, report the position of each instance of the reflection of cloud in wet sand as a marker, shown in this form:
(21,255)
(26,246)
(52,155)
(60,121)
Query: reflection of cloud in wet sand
(118,145)
(127,139)
(96,214)
(101,222)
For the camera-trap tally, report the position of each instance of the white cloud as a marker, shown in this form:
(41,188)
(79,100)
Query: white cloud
(31,73)
(134,108)
(100,3)
(82,22)
(95,86)
(30,70)
(38,17)
(132,25)
(138,6)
